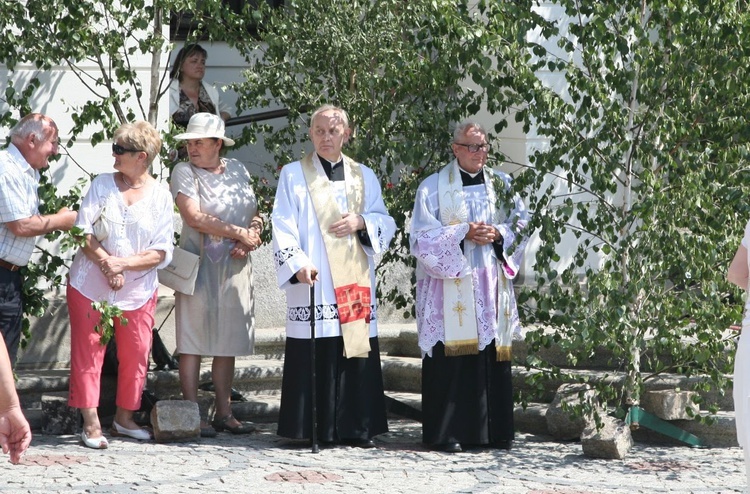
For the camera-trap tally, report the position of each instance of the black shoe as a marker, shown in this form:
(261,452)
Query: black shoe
(208,432)
(322,443)
(359,443)
(452,447)
(506,444)
(221,424)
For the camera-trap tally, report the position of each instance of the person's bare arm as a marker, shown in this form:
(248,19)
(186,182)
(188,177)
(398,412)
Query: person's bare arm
(15,433)
(41,224)
(211,225)
(739,273)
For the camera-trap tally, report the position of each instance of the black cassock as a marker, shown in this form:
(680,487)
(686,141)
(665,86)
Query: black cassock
(466,399)
(350,397)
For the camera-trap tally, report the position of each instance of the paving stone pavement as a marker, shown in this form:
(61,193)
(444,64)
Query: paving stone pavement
(268,464)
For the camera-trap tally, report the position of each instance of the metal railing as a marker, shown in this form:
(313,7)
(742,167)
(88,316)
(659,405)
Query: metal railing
(257,117)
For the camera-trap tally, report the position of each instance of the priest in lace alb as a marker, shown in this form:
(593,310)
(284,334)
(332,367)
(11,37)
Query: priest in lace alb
(468,233)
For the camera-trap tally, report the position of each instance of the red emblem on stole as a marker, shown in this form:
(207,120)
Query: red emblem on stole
(353,302)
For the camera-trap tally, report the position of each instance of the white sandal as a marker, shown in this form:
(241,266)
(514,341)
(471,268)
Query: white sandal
(119,431)
(94,443)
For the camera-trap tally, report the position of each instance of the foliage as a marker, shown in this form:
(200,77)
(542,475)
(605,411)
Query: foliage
(642,173)
(106,325)
(644,170)
(400,70)
(101,43)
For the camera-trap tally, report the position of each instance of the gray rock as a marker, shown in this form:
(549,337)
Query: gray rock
(669,404)
(175,420)
(206,404)
(612,441)
(560,424)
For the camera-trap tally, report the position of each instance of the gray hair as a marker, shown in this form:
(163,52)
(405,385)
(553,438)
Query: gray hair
(336,109)
(464,127)
(33,123)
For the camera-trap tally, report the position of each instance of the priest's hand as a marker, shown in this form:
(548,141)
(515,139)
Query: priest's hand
(307,275)
(481,233)
(348,224)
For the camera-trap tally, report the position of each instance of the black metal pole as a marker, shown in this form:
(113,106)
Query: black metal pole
(262,116)
(313,402)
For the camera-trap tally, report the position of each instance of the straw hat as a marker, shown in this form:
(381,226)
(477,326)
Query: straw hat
(203,126)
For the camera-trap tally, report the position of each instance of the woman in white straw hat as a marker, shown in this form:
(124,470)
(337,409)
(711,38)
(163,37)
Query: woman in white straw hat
(221,224)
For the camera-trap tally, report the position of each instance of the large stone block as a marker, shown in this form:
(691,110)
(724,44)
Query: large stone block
(175,420)
(206,404)
(612,441)
(560,424)
(57,417)
(669,404)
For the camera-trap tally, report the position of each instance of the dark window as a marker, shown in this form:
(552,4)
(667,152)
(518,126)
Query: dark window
(183,25)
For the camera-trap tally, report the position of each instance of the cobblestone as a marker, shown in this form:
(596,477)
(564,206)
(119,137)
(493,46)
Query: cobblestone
(266,463)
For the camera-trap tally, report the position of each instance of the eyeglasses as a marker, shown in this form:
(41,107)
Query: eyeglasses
(473,148)
(119,150)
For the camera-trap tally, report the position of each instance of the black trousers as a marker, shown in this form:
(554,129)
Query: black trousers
(466,399)
(350,400)
(11,310)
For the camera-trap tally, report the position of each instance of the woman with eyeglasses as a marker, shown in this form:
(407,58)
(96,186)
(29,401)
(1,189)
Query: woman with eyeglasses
(468,232)
(127,221)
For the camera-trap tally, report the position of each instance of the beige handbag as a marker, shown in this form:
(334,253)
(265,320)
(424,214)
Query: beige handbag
(182,271)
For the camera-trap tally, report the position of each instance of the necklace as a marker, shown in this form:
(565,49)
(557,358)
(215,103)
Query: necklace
(128,184)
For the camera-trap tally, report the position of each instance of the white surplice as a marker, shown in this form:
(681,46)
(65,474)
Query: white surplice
(297,242)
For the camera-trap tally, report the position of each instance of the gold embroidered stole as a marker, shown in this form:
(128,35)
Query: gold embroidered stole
(459,306)
(348,262)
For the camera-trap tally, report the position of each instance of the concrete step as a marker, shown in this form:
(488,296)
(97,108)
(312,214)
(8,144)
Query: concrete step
(405,374)
(259,381)
(400,374)
(396,339)
(258,378)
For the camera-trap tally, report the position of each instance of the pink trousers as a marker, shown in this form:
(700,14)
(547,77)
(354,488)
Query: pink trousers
(87,353)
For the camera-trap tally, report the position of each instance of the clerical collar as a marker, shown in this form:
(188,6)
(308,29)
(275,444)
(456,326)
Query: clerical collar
(334,171)
(471,178)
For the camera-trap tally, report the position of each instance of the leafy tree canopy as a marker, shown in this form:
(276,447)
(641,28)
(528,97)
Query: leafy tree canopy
(641,170)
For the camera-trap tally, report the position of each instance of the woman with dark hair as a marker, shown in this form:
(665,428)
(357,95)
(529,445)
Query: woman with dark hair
(188,94)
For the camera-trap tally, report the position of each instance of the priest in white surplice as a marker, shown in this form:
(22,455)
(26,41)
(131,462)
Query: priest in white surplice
(329,220)
(468,236)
